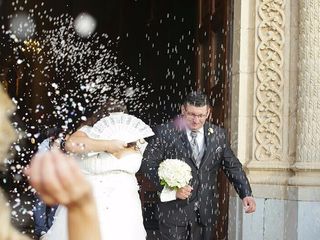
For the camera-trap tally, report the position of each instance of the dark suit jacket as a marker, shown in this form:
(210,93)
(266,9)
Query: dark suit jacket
(171,142)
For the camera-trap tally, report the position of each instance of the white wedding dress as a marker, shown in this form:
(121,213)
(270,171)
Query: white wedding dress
(116,192)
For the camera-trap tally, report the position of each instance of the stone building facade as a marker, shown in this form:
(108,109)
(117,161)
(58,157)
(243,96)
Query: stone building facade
(275,117)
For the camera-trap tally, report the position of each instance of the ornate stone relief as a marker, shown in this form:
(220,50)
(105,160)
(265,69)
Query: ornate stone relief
(270,80)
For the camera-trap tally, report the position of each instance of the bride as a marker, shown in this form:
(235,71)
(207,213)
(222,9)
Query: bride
(110,165)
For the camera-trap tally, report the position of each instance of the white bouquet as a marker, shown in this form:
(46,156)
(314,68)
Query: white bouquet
(173,174)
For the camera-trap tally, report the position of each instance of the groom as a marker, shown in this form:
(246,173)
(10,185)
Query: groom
(191,213)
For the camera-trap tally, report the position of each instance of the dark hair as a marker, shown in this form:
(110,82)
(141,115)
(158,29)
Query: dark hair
(112,105)
(196,98)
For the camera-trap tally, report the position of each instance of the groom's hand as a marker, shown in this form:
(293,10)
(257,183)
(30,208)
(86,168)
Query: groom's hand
(184,192)
(249,204)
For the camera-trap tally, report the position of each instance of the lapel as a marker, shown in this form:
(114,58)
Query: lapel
(208,140)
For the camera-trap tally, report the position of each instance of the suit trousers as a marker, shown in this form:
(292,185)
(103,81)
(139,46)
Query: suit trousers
(192,230)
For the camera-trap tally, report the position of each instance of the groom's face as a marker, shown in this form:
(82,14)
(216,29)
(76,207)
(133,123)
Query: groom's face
(194,116)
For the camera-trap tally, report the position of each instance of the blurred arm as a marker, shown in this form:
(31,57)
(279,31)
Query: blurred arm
(80,142)
(58,180)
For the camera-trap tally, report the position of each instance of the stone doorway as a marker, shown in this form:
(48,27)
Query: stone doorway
(175,45)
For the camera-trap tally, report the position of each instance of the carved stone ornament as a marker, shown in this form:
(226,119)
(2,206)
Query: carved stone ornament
(270,80)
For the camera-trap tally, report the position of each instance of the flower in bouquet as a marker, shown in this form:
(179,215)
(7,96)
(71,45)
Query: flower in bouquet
(174,173)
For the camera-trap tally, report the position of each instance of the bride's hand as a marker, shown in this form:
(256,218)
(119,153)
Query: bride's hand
(58,179)
(114,146)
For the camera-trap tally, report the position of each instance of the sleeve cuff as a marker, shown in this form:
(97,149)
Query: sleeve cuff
(167,194)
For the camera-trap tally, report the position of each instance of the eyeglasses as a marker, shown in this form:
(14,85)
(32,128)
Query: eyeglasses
(193,115)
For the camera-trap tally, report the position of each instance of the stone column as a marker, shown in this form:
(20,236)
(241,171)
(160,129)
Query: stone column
(304,185)
(307,166)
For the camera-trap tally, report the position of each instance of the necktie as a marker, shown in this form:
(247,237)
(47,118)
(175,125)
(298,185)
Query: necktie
(195,147)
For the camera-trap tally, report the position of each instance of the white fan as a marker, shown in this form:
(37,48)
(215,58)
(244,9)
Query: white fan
(121,126)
